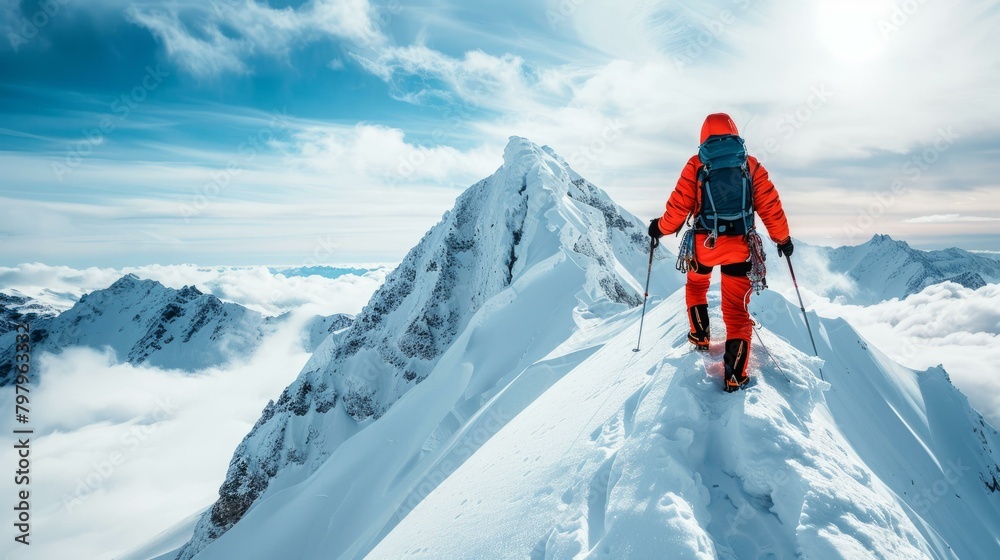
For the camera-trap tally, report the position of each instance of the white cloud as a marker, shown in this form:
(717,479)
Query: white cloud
(326,198)
(948,218)
(102,458)
(812,272)
(214,54)
(944,324)
(57,286)
(380,154)
(474,81)
(208,39)
(354,20)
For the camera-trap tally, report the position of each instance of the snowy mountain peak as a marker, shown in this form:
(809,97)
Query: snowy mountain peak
(489,401)
(522,155)
(131,281)
(882,240)
(520,152)
(508,240)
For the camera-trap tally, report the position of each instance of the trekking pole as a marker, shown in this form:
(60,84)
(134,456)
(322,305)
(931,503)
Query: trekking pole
(653,243)
(803,308)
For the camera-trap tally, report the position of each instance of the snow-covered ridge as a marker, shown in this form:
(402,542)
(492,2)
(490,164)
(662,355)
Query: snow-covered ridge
(144,322)
(643,456)
(532,225)
(884,268)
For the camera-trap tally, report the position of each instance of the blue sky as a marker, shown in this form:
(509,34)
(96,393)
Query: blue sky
(332,131)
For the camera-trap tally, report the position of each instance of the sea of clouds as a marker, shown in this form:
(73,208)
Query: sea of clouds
(122,452)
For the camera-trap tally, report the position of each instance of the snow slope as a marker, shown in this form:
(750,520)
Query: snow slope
(642,456)
(884,268)
(165,545)
(525,257)
(143,321)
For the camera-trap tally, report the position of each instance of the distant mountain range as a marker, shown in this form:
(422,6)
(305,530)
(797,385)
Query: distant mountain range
(143,322)
(330,272)
(884,268)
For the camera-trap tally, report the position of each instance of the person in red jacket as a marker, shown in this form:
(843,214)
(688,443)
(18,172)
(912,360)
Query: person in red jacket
(730,252)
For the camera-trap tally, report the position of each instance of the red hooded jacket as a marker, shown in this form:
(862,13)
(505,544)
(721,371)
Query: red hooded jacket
(686,198)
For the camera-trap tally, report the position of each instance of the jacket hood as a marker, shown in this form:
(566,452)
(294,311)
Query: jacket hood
(717,124)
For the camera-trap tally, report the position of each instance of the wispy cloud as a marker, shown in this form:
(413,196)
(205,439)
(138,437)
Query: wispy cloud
(382,154)
(211,54)
(949,219)
(208,39)
(501,82)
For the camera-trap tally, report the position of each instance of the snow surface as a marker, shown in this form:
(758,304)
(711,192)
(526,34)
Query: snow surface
(165,545)
(643,456)
(535,431)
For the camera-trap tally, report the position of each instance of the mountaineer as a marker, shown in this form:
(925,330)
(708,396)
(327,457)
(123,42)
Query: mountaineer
(721,188)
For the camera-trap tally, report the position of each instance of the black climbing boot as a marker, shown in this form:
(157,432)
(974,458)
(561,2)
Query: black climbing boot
(737,354)
(699,335)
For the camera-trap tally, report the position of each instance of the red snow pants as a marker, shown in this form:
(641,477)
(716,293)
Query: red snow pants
(731,253)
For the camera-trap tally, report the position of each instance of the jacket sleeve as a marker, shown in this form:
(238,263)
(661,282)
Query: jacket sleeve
(768,204)
(682,201)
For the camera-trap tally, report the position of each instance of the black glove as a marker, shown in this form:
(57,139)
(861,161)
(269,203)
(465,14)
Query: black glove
(785,248)
(654,229)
